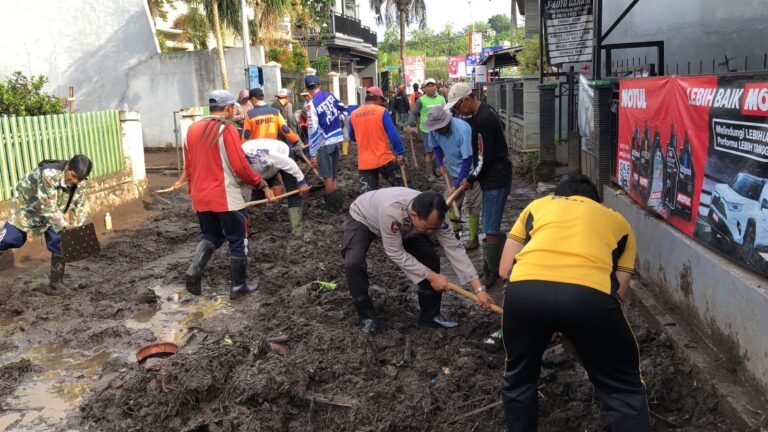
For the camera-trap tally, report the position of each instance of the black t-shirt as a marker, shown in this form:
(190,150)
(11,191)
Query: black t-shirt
(493,170)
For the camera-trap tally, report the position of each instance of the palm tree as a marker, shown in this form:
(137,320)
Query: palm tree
(406,12)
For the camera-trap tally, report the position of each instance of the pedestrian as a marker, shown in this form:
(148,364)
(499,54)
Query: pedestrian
(266,122)
(451,140)
(406,221)
(240,109)
(580,297)
(283,104)
(416,94)
(215,165)
(270,157)
(401,107)
(491,168)
(48,200)
(444,89)
(244,100)
(419,114)
(325,122)
(371,127)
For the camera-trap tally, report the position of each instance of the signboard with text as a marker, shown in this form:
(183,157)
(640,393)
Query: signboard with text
(568,30)
(456,66)
(694,150)
(414,69)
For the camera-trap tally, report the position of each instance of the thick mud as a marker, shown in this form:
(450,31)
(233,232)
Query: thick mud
(288,357)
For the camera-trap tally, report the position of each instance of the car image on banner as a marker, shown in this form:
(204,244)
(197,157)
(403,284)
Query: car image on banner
(694,150)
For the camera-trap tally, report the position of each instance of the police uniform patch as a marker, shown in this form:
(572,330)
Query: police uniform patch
(444,226)
(396,227)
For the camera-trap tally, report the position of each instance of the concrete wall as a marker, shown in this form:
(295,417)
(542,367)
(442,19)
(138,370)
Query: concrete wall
(692,30)
(168,82)
(86,44)
(727,302)
(531,112)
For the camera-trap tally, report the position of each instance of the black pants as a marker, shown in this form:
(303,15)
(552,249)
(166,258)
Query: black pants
(290,184)
(594,322)
(356,240)
(231,226)
(369,179)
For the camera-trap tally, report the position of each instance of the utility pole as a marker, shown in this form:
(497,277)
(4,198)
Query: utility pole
(246,42)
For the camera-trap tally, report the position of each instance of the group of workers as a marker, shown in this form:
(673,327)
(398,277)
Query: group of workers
(566,261)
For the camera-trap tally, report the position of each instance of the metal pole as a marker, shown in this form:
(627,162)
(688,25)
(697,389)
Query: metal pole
(597,50)
(246,41)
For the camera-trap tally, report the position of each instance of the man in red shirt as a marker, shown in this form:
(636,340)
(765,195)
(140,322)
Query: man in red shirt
(215,165)
(371,127)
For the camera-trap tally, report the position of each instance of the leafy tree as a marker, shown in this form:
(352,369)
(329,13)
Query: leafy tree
(405,12)
(157,8)
(528,57)
(24,96)
(195,28)
(500,23)
(322,65)
(310,17)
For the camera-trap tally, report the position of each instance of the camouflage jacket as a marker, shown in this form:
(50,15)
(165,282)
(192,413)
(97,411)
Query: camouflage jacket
(40,200)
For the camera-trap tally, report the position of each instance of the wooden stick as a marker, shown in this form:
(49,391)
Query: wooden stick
(413,152)
(265,200)
(309,163)
(170,189)
(477,411)
(454,195)
(464,293)
(453,204)
(405,176)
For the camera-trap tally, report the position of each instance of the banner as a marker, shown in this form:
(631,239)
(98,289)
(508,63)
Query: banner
(694,150)
(490,50)
(456,66)
(476,42)
(568,30)
(414,69)
(470,62)
(586,113)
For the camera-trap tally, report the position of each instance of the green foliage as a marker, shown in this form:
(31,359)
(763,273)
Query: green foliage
(292,61)
(24,96)
(528,57)
(500,23)
(195,28)
(157,8)
(163,43)
(322,65)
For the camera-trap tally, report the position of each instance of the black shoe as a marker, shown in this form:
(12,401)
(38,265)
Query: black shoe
(195,272)
(240,286)
(367,314)
(429,303)
(57,286)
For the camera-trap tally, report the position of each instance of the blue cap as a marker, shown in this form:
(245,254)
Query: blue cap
(311,81)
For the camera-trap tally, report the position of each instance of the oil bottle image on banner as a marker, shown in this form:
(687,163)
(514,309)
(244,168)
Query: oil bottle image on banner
(657,171)
(685,182)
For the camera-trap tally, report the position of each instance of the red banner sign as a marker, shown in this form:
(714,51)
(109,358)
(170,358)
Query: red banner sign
(694,150)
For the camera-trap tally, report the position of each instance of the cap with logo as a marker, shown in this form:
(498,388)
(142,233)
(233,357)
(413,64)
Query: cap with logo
(457,91)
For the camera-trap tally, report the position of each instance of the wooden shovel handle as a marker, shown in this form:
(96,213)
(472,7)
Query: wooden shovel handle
(309,163)
(464,293)
(405,176)
(448,186)
(265,200)
(170,189)
(454,195)
(413,152)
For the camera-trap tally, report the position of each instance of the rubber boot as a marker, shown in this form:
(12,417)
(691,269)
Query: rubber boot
(334,201)
(452,216)
(195,271)
(367,314)
(491,257)
(429,303)
(240,286)
(296,216)
(57,285)
(474,227)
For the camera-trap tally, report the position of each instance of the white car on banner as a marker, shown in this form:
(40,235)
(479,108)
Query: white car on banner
(738,215)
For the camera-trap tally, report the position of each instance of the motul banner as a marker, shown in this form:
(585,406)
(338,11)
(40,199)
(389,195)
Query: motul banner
(456,66)
(694,150)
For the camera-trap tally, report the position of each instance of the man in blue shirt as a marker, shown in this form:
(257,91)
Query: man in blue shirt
(325,121)
(451,140)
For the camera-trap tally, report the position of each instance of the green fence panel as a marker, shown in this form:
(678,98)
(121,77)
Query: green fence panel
(25,141)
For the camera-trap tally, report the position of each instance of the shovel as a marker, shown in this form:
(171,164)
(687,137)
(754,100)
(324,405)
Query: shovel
(413,152)
(79,243)
(265,200)
(405,176)
(451,198)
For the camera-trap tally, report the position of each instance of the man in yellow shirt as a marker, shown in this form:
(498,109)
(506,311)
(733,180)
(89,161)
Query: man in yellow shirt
(571,259)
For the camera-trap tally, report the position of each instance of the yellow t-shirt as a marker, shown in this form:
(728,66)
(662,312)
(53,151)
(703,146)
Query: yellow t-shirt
(572,240)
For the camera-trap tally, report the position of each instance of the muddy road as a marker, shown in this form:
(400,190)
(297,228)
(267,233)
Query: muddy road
(288,357)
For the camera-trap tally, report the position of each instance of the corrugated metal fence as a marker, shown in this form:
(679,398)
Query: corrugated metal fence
(25,141)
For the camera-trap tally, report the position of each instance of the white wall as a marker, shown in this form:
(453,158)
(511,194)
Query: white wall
(86,44)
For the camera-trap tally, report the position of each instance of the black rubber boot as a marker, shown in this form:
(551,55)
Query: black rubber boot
(367,314)
(57,285)
(334,201)
(429,303)
(491,257)
(195,272)
(240,286)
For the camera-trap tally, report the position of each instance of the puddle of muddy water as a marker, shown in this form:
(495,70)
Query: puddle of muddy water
(65,376)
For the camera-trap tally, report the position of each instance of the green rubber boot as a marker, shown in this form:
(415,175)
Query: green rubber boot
(452,217)
(474,227)
(296,216)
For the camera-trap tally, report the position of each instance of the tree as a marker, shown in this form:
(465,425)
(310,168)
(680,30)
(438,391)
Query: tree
(157,8)
(310,17)
(24,96)
(405,12)
(194,27)
(500,23)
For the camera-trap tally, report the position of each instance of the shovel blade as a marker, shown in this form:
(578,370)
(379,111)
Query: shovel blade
(79,243)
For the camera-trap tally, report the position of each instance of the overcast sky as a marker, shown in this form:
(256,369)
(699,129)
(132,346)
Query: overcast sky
(439,12)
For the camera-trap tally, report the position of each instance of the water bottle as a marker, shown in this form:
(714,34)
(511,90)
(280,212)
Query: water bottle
(108,221)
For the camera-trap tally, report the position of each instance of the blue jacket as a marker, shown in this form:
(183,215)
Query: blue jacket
(325,121)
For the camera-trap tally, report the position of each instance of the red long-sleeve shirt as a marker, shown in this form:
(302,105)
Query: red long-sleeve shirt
(215,168)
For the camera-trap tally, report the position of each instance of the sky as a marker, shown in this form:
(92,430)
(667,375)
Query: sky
(439,12)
